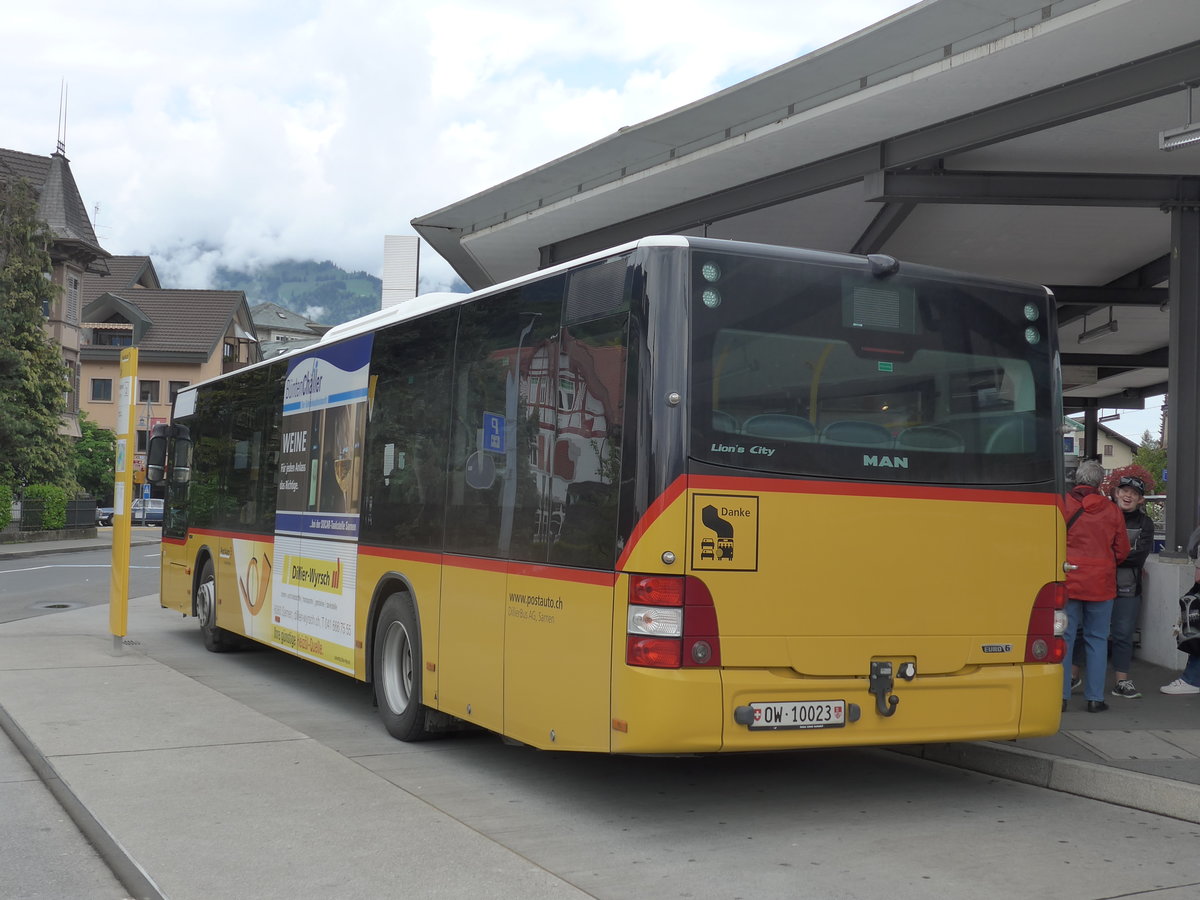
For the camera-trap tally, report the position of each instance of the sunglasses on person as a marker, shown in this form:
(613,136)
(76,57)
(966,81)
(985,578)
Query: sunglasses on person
(1134,482)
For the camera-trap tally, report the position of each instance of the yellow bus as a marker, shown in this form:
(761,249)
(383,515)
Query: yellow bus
(683,496)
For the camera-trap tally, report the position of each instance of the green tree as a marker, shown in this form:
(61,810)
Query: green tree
(1151,456)
(33,379)
(94,459)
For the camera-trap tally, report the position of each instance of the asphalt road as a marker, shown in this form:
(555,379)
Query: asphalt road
(45,584)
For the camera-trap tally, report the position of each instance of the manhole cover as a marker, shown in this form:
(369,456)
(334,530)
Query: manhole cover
(56,604)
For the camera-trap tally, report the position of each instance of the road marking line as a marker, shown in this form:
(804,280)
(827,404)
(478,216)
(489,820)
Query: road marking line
(77,566)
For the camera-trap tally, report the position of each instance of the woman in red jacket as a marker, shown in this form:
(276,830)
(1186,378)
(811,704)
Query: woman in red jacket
(1096,543)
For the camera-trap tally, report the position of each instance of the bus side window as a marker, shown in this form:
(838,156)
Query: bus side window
(495,500)
(405,478)
(587,458)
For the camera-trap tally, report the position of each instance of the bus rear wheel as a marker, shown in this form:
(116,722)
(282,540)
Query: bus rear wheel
(216,640)
(397,670)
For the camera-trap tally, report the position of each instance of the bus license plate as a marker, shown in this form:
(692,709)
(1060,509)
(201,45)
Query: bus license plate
(798,714)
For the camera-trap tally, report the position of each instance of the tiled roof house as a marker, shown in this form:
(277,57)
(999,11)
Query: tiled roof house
(124,273)
(182,337)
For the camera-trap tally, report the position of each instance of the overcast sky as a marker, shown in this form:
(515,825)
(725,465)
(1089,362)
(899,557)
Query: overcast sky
(311,128)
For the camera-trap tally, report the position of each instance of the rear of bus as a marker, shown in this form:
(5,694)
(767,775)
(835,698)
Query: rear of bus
(850,530)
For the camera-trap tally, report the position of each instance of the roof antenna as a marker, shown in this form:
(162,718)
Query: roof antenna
(62,118)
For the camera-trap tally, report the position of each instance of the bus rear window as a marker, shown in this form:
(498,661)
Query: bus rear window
(824,370)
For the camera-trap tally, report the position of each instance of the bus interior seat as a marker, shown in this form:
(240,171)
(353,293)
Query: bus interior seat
(856,434)
(1013,434)
(723,421)
(930,437)
(781,426)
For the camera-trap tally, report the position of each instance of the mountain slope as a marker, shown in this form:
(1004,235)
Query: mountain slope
(320,291)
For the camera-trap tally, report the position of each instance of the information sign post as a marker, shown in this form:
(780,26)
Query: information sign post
(118,601)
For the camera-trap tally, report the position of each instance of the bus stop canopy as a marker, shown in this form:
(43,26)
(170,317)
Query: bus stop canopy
(1010,138)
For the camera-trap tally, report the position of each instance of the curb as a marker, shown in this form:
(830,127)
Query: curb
(134,878)
(44,549)
(1136,790)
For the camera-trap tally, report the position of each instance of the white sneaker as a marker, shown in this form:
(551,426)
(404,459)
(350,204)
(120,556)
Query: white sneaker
(1179,686)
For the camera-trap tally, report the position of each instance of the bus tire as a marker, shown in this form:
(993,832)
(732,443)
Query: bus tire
(396,667)
(216,640)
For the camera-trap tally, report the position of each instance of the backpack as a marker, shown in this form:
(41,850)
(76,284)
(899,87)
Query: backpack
(1189,621)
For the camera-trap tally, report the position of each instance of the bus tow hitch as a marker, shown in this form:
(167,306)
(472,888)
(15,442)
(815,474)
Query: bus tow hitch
(882,683)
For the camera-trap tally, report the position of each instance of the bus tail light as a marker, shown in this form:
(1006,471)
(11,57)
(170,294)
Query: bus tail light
(1047,625)
(671,623)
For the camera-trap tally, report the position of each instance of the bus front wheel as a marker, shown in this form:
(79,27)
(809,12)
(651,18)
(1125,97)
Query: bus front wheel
(217,640)
(397,670)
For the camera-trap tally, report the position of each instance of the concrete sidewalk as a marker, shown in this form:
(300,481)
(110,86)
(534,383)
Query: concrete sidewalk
(144,753)
(145,758)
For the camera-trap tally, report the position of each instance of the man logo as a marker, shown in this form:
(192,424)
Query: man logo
(885,462)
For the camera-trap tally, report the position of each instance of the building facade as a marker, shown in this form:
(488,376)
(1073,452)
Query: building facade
(75,254)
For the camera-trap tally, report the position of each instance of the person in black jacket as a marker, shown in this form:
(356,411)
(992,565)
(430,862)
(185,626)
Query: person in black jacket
(1129,495)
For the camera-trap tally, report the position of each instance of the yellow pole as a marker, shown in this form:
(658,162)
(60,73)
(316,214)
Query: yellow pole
(118,603)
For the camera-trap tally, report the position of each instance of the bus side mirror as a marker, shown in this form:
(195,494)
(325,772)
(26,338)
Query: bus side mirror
(181,465)
(156,455)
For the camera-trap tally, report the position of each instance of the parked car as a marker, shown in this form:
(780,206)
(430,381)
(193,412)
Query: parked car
(153,515)
(146,512)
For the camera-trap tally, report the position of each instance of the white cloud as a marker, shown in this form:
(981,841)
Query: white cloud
(242,131)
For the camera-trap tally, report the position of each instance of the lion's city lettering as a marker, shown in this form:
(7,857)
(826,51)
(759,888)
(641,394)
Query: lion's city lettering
(756,450)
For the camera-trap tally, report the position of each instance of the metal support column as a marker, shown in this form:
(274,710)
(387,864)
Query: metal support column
(1091,433)
(1183,380)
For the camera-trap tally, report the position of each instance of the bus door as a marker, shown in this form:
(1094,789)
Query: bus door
(471,654)
(559,617)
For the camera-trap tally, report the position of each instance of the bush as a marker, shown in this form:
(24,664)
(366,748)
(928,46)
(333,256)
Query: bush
(6,498)
(54,504)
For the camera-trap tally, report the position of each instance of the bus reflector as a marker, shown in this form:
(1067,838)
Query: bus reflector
(1047,624)
(663,636)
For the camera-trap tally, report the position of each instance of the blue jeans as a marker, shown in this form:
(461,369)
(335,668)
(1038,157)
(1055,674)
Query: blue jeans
(1124,623)
(1095,617)
(1191,672)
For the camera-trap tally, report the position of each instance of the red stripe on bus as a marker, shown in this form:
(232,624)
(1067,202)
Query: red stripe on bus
(531,570)
(417,556)
(232,535)
(557,573)
(751,484)
(656,508)
(499,566)
(857,489)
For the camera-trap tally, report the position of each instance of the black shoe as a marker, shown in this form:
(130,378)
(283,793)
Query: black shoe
(1096,706)
(1126,689)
